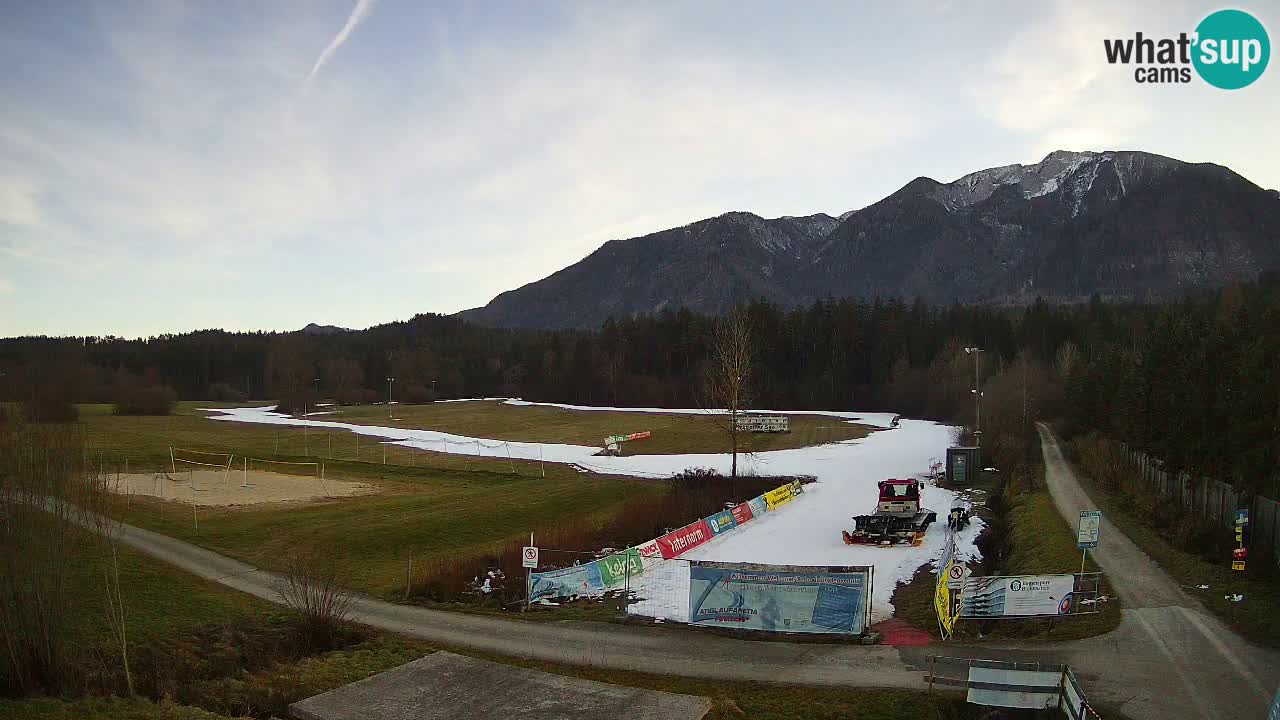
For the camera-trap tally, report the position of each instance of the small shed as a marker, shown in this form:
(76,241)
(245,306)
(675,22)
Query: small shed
(963,465)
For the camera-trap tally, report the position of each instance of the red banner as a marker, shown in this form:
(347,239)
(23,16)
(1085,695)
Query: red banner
(742,513)
(685,539)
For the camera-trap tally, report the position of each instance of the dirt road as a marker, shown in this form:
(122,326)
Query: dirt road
(1168,659)
(1208,670)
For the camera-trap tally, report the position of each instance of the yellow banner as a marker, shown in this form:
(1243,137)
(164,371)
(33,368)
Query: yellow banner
(778,496)
(942,600)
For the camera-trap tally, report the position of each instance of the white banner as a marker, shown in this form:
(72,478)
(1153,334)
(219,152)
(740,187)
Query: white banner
(1018,596)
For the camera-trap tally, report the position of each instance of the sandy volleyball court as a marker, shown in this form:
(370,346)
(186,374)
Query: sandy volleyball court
(216,488)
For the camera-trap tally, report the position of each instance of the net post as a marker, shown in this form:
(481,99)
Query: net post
(172,465)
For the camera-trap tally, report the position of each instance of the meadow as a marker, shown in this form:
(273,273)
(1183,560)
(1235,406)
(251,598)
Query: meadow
(672,433)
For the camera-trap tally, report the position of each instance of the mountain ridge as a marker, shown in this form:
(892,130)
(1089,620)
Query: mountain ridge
(1121,224)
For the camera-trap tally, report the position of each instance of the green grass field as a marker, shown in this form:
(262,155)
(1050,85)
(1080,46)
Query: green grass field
(672,434)
(429,504)
(145,440)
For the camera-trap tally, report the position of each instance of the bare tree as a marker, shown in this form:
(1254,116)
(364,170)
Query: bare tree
(726,387)
(311,585)
(50,493)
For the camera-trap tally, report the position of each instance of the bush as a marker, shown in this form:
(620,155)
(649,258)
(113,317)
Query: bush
(416,394)
(311,585)
(145,400)
(688,496)
(50,406)
(224,392)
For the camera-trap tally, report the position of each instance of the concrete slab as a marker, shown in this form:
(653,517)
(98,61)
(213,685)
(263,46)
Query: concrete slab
(444,685)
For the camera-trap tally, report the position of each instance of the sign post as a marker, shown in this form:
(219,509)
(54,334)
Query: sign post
(1087,536)
(1238,555)
(529,559)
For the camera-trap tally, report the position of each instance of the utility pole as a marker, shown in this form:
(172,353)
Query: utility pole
(389,381)
(977,396)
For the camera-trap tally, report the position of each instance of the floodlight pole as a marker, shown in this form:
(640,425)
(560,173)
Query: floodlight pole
(977,396)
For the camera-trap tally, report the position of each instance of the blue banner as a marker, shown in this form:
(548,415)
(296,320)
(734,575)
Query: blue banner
(577,581)
(758,506)
(779,598)
(722,521)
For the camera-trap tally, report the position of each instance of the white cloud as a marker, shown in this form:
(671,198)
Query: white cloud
(1051,81)
(19,204)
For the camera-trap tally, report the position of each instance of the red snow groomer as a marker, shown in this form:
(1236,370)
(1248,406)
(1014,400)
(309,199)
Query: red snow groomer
(898,519)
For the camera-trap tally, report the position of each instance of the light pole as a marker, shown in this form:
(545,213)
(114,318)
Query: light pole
(389,381)
(306,423)
(977,396)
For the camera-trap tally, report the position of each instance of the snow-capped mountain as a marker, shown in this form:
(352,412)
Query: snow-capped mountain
(1120,224)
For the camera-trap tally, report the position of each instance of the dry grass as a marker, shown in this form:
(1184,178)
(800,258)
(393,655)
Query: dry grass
(672,434)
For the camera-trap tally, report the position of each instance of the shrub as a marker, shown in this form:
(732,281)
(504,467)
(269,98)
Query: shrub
(416,394)
(134,399)
(311,585)
(50,406)
(224,392)
(688,496)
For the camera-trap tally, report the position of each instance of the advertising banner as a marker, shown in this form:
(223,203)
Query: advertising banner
(742,513)
(579,580)
(779,598)
(944,595)
(677,542)
(796,488)
(758,506)
(1018,596)
(722,521)
(778,496)
(1032,689)
(614,569)
(649,550)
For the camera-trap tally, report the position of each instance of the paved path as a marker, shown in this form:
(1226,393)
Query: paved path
(1168,659)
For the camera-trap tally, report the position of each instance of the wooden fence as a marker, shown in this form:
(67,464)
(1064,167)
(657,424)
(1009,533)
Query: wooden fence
(1215,500)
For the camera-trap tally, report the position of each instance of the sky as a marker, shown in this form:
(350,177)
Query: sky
(254,164)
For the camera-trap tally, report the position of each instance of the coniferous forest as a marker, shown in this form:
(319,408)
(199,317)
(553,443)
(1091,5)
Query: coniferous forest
(1193,382)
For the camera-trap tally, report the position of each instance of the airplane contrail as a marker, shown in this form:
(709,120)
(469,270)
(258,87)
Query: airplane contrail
(358,14)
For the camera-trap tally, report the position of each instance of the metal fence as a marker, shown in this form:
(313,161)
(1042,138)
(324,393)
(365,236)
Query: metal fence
(1214,500)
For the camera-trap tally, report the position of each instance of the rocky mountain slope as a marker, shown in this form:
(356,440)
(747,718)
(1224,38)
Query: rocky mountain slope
(1120,224)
